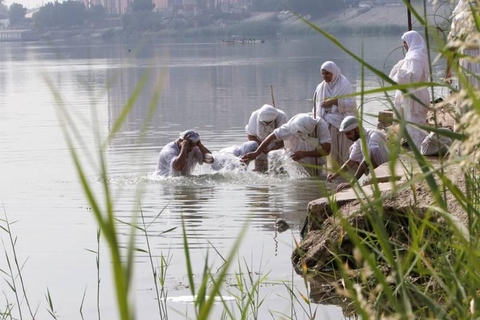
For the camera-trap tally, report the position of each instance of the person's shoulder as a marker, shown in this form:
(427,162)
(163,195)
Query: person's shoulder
(282,116)
(255,112)
(169,146)
(321,122)
(376,133)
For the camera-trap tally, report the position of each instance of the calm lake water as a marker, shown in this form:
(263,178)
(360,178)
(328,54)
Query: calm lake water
(204,85)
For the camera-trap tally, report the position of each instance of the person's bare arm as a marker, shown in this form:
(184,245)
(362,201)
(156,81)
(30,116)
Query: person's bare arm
(205,151)
(253,138)
(261,148)
(323,151)
(362,168)
(344,168)
(181,161)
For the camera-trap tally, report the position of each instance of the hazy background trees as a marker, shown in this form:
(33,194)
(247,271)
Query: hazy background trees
(16,14)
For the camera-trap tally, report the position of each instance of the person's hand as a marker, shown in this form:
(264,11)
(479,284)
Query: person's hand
(331,176)
(185,143)
(297,155)
(248,157)
(208,158)
(343,186)
(328,103)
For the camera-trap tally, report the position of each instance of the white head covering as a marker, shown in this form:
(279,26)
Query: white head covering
(416,45)
(417,49)
(192,136)
(267,113)
(331,67)
(348,123)
(302,125)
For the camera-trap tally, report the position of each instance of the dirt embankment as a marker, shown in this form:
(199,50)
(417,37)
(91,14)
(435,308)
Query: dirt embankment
(387,15)
(379,15)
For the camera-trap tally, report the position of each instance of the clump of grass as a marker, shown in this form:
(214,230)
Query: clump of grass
(433,273)
(14,276)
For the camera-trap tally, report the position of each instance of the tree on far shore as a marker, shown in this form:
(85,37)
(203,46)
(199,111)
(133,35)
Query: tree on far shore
(65,14)
(142,5)
(16,13)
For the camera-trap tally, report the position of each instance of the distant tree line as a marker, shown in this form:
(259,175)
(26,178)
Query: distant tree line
(16,13)
(71,13)
(67,14)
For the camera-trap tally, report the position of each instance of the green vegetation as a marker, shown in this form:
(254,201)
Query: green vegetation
(430,269)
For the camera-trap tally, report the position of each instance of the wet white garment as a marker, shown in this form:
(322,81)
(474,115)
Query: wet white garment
(297,135)
(376,142)
(229,157)
(256,126)
(337,87)
(168,155)
(413,68)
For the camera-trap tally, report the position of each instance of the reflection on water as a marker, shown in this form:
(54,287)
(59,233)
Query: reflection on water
(214,205)
(325,291)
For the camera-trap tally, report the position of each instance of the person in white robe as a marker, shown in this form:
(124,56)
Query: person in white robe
(377,151)
(464,38)
(333,109)
(262,122)
(180,157)
(414,68)
(306,140)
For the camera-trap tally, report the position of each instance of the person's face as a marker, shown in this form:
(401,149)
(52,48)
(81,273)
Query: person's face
(405,45)
(352,135)
(327,76)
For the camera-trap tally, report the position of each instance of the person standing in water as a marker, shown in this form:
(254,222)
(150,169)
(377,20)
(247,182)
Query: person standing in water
(305,139)
(180,157)
(262,122)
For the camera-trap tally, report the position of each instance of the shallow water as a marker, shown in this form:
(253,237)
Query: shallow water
(206,86)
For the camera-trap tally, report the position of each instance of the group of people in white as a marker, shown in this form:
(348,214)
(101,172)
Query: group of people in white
(331,129)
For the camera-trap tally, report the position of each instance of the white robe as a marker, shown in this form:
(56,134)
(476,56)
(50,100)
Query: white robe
(298,135)
(266,113)
(413,68)
(376,143)
(257,128)
(168,155)
(333,116)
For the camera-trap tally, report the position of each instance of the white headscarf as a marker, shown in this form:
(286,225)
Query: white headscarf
(331,67)
(417,49)
(192,136)
(267,113)
(302,125)
(337,87)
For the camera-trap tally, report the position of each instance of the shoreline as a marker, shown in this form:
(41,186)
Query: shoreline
(374,21)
